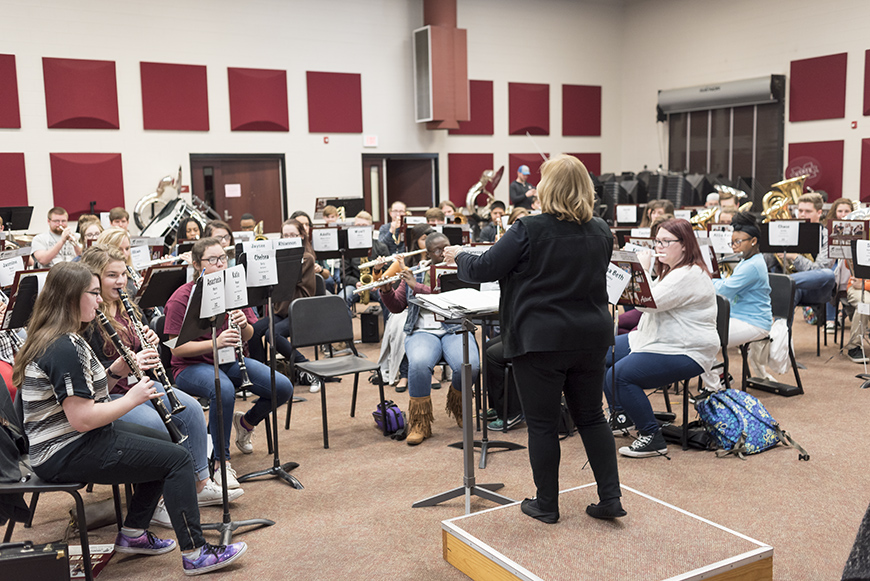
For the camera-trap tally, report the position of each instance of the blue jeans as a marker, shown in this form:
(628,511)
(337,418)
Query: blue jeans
(813,287)
(191,422)
(198,380)
(638,371)
(424,350)
(257,349)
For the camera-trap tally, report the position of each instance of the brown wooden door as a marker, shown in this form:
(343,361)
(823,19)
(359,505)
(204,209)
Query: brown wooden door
(411,178)
(258,179)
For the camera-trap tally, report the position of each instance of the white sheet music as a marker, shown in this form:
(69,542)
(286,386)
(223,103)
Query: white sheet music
(466,300)
(235,289)
(8,268)
(617,280)
(324,239)
(213,297)
(262,268)
(359,237)
(784,233)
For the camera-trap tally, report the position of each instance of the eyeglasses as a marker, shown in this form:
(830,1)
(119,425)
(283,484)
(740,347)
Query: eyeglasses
(95,293)
(739,241)
(665,242)
(213,260)
(224,238)
(57,221)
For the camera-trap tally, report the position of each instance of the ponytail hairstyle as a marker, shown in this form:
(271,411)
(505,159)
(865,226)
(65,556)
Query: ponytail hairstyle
(98,257)
(682,229)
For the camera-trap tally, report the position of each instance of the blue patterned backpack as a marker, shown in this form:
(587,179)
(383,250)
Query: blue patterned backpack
(741,425)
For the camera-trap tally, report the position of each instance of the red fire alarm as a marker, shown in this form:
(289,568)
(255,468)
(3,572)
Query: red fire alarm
(854,125)
(326,139)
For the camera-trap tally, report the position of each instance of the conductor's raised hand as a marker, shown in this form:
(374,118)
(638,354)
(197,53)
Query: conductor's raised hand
(450,254)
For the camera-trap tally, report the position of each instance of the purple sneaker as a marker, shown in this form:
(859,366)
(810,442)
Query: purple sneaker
(147,544)
(213,557)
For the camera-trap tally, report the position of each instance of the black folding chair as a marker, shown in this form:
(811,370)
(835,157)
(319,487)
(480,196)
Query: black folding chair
(324,320)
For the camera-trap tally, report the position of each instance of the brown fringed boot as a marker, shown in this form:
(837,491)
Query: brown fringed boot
(454,405)
(420,420)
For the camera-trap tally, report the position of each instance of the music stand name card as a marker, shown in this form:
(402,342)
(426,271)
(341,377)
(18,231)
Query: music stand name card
(784,232)
(243,236)
(222,291)
(414,220)
(636,289)
(720,237)
(287,243)
(324,239)
(862,249)
(841,234)
(683,214)
(262,268)
(640,232)
(12,261)
(359,237)
(626,213)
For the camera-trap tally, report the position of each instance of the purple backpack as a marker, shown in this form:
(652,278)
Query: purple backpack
(395,418)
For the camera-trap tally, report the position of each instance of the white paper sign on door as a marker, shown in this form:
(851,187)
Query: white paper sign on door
(233,190)
(213,298)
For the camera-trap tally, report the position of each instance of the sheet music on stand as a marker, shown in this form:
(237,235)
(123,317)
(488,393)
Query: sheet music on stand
(461,302)
(627,283)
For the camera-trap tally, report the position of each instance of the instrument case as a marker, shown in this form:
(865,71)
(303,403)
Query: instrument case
(25,560)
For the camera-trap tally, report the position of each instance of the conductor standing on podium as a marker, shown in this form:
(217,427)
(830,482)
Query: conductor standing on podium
(556,328)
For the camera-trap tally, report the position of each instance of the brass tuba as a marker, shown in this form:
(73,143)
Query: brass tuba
(489,179)
(780,196)
(258,231)
(700,220)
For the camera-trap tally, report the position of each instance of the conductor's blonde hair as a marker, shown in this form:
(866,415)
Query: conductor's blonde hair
(566,190)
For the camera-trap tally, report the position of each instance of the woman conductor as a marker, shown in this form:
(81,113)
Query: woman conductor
(556,328)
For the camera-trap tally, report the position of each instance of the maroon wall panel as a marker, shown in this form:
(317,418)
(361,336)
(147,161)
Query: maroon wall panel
(174,97)
(481,110)
(258,100)
(818,88)
(533,160)
(10,116)
(77,179)
(581,110)
(528,109)
(13,185)
(822,161)
(464,170)
(865,171)
(592,161)
(80,94)
(334,102)
(867,82)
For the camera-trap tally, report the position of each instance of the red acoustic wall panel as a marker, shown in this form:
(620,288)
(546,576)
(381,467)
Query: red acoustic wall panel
(77,179)
(822,161)
(80,94)
(865,171)
(464,170)
(10,116)
(533,160)
(528,109)
(481,110)
(592,161)
(867,82)
(13,185)
(174,97)
(334,102)
(581,110)
(818,88)
(258,100)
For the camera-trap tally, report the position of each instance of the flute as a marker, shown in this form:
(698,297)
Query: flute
(159,371)
(130,360)
(385,259)
(166,260)
(425,264)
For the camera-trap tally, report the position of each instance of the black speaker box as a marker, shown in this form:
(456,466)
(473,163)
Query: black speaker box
(371,327)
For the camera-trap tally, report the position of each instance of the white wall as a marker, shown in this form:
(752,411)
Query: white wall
(632,48)
(670,44)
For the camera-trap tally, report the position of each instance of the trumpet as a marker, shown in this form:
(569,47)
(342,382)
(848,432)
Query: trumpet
(240,354)
(159,371)
(385,259)
(130,360)
(425,264)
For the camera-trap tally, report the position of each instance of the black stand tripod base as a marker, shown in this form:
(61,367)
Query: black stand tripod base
(485,445)
(281,472)
(226,528)
(774,387)
(481,490)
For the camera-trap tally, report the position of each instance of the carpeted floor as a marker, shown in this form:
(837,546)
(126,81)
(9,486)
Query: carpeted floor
(354,518)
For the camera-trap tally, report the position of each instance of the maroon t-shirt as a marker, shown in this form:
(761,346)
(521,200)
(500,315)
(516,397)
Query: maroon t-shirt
(175,310)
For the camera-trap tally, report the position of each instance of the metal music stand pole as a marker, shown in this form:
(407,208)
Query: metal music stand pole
(277,469)
(227,526)
(469,486)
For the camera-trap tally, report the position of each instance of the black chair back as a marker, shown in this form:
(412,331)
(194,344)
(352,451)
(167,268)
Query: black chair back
(782,297)
(320,320)
(319,286)
(723,320)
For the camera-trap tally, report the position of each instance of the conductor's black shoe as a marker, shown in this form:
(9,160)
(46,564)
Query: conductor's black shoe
(530,507)
(606,510)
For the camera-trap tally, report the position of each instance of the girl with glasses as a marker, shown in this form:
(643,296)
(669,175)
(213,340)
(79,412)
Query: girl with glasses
(193,364)
(675,341)
(75,435)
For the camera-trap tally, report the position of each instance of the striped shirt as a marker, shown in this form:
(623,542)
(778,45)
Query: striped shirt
(69,367)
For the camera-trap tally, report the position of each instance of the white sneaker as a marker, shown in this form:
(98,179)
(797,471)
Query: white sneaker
(243,436)
(160,517)
(232,478)
(316,384)
(212,494)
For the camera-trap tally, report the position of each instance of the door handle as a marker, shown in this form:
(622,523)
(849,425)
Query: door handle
(227,216)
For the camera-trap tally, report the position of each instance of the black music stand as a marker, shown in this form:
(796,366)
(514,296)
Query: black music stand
(289,265)
(861,271)
(16,217)
(343,252)
(809,239)
(159,284)
(191,329)
(469,485)
(22,297)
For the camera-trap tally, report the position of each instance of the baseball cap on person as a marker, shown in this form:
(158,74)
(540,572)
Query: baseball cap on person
(523,169)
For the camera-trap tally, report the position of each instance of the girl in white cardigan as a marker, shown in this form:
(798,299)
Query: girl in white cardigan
(675,341)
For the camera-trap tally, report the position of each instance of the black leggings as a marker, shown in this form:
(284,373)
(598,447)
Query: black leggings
(123,452)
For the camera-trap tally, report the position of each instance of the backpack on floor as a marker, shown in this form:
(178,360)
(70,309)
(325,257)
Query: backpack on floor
(741,425)
(395,419)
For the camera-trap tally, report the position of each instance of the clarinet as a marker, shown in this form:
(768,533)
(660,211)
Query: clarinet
(159,371)
(240,353)
(130,359)
(134,276)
